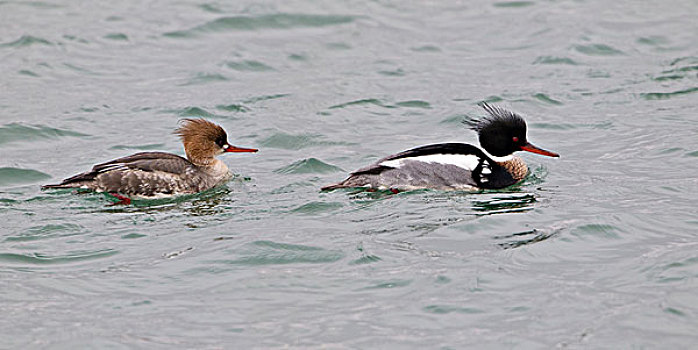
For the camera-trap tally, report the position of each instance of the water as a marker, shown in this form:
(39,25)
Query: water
(596,249)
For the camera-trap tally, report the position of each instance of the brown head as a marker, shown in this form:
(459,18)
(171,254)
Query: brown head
(204,140)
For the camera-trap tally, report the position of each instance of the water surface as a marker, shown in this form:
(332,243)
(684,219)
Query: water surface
(596,249)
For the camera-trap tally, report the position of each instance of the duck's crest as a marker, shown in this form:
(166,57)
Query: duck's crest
(199,128)
(498,116)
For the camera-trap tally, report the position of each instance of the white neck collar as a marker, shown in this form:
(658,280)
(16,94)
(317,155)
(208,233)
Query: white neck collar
(498,159)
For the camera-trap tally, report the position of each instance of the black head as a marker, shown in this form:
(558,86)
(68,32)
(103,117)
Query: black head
(503,132)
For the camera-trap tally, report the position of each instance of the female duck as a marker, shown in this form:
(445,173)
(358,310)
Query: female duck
(159,174)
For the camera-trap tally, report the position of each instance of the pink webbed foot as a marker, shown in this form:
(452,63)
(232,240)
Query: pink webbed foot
(123,200)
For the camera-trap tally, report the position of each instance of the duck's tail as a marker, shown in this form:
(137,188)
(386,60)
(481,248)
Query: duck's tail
(332,187)
(78,180)
(60,185)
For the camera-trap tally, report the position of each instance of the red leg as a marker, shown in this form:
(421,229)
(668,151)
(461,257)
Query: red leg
(122,199)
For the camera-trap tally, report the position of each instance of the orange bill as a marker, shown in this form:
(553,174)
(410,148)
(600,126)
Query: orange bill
(533,149)
(231,148)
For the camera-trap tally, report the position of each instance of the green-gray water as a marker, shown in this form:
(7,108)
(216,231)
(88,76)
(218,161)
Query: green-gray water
(597,249)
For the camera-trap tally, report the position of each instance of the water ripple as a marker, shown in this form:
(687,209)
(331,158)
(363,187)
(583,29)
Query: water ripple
(546,99)
(26,40)
(265,22)
(308,165)
(43,259)
(519,239)
(447,309)
(367,101)
(146,147)
(248,66)
(274,253)
(264,98)
(296,142)
(384,104)
(19,132)
(116,36)
(233,107)
(13,176)
(45,231)
(205,78)
(666,95)
(193,112)
(414,104)
(598,50)
(554,60)
(513,4)
(314,208)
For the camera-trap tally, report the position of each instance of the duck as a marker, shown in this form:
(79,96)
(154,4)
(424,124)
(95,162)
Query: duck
(152,175)
(455,166)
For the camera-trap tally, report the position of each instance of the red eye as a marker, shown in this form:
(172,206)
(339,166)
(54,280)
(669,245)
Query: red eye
(515,139)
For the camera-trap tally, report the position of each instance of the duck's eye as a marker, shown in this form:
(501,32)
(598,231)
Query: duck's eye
(515,139)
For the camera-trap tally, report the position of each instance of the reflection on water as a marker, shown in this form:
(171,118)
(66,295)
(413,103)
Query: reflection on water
(209,202)
(519,239)
(511,203)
